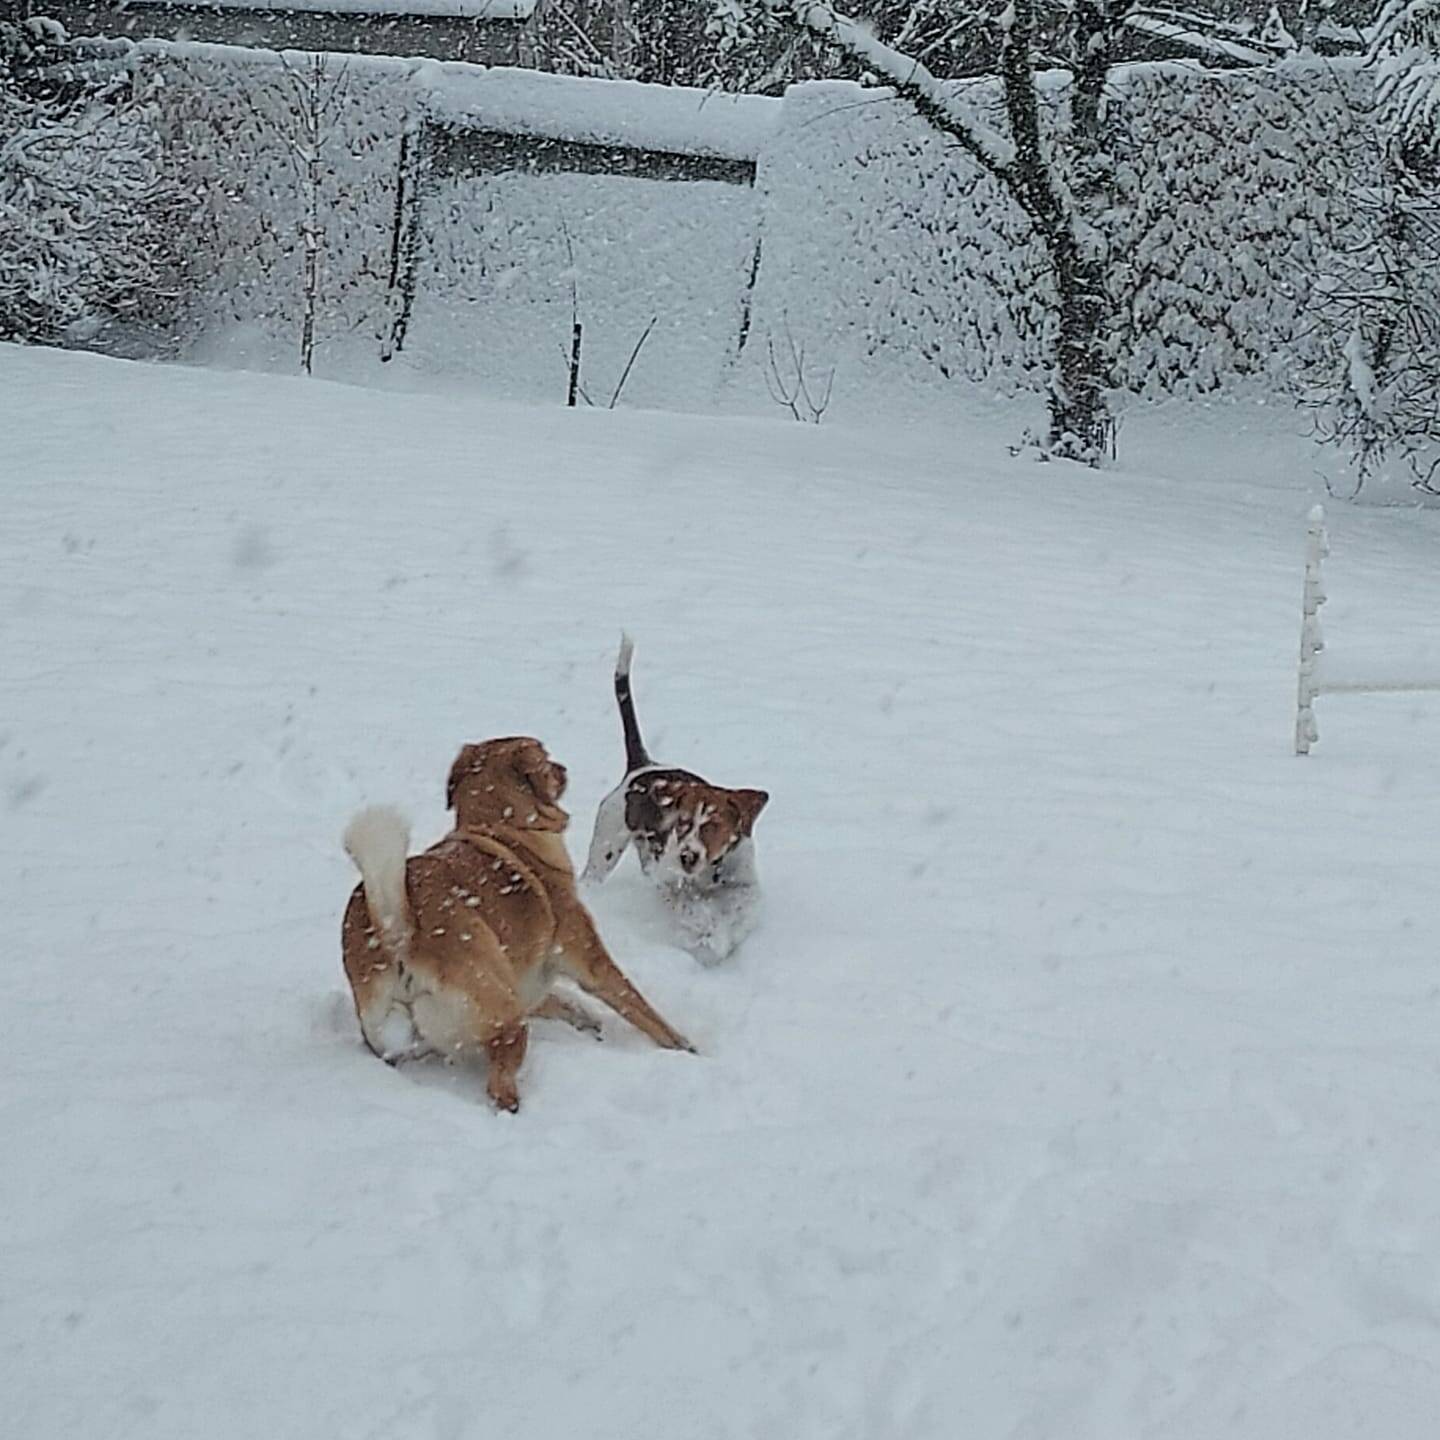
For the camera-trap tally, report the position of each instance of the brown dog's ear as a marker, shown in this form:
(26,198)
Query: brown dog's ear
(750,803)
(466,761)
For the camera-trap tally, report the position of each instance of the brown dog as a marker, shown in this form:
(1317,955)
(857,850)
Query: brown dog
(694,839)
(453,950)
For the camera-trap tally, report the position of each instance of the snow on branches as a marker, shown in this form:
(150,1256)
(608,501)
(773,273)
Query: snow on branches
(86,208)
(908,77)
(1406,55)
(1377,395)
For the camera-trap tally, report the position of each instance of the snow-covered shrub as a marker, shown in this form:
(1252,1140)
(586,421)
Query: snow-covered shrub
(88,212)
(1376,388)
(1375,385)
(1231,190)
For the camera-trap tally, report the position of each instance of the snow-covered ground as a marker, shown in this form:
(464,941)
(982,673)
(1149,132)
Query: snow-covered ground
(1081,1083)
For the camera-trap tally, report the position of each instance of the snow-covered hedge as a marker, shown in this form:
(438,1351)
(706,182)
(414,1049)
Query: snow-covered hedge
(1234,187)
(885,241)
(881,246)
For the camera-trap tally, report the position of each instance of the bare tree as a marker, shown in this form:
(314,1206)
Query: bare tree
(315,90)
(630,363)
(1376,393)
(791,385)
(1061,201)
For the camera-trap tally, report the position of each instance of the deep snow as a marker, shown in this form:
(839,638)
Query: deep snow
(1081,1082)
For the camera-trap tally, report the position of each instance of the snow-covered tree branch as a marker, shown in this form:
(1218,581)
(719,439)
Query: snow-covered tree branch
(909,79)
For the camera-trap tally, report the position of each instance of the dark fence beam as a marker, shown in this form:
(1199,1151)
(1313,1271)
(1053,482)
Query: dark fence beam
(459,150)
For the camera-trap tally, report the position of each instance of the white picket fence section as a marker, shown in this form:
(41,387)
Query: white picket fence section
(1320,677)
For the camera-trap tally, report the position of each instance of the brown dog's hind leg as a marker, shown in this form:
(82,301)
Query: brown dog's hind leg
(556,1007)
(471,1008)
(585,959)
(506,1051)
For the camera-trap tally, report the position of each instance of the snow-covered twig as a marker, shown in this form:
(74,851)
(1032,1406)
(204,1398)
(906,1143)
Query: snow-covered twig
(572,368)
(576,337)
(790,386)
(629,364)
(576,330)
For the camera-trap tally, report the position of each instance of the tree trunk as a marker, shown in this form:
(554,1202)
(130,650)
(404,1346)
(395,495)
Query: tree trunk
(1080,422)
(311,236)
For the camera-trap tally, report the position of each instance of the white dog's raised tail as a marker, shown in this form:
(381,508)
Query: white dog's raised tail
(378,841)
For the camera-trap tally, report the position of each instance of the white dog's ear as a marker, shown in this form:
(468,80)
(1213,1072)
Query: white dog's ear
(750,803)
(610,840)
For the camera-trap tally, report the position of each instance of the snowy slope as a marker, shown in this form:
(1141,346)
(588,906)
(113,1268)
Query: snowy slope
(1081,1083)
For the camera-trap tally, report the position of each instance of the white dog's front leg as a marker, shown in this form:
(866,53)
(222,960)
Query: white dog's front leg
(611,837)
(713,924)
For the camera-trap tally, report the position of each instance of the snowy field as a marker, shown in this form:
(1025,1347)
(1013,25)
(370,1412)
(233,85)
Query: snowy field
(1081,1083)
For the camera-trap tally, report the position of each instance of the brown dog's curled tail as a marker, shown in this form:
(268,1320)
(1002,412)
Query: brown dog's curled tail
(636,756)
(378,841)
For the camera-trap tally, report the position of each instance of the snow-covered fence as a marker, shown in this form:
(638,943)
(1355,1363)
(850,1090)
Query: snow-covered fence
(879,246)
(581,209)
(549,202)
(1318,673)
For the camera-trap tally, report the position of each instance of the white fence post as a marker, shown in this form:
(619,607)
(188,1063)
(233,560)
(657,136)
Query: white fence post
(1320,676)
(1312,642)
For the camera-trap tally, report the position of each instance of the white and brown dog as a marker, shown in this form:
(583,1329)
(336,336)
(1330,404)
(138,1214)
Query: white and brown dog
(453,951)
(694,839)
